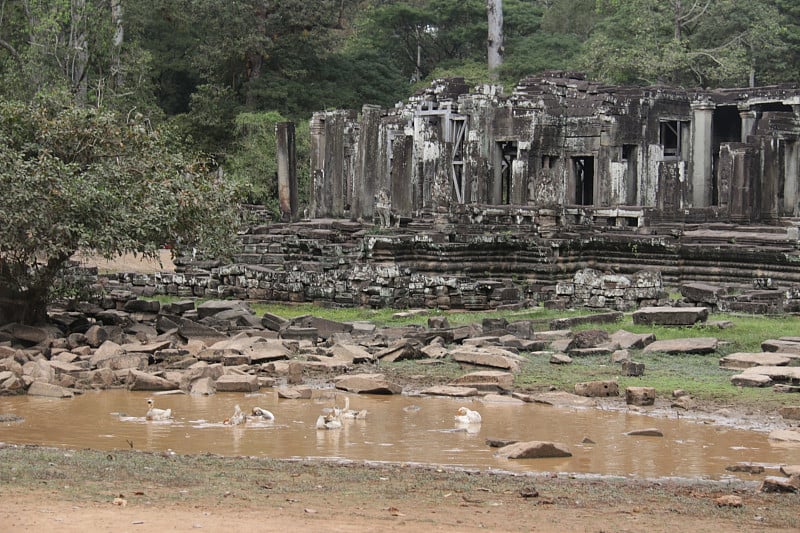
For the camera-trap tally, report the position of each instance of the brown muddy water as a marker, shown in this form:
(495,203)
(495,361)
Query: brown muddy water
(403,429)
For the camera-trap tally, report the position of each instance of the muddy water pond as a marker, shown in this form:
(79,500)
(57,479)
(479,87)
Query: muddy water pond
(396,429)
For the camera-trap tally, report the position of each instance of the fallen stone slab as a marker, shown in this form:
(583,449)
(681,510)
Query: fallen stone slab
(702,292)
(191,330)
(781,374)
(749,359)
(560,359)
(501,399)
(557,399)
(40,388)
(595,318)
(695,345)
(29,334)
(782,345)
(353,353)
(325,327)
(780,484)
(785,435)
(486,380)
(450,390)
(401,350)
(214,307)
(670,316)
(534,450)
(496,358)
(751,380)
(366,384)
(137,380)
(295,393)
(790,470)
(631,341)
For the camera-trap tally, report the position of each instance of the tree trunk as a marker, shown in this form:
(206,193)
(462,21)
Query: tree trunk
(79,45)
(494,9)
(117,12)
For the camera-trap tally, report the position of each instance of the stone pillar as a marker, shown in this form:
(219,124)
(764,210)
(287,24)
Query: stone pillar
(791,179)
(287,170)
(749,118)
(702,143)
(368,178)
(317,133)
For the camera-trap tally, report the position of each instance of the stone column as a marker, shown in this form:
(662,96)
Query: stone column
(287,170)
(702,143)
(790,184)
(749,118)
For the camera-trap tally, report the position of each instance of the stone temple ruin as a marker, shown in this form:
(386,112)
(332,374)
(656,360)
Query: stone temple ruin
(470,198)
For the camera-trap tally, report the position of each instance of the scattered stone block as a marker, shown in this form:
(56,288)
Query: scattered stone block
(695,345)
(641,396)
(597,389)
(237,383)
(560,359)
(670,316)
(632,369)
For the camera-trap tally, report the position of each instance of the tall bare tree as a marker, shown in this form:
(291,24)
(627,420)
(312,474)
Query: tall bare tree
(494,9)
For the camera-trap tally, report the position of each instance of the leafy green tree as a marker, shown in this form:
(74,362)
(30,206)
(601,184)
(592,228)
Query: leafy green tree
(72,45)
(420,36)
(679,42)
(79,178)
(544,35)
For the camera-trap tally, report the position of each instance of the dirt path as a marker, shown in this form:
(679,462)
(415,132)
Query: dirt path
(129,263)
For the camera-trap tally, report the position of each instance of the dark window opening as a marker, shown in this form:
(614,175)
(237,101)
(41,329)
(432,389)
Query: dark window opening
(627,151)
(673,135)
(583,171)
(549,161)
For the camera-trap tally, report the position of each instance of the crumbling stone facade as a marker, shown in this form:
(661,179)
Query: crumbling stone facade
(560,142)
(566,191)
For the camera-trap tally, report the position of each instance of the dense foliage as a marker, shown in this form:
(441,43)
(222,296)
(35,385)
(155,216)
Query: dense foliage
(79,178)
